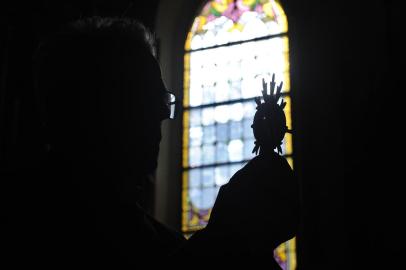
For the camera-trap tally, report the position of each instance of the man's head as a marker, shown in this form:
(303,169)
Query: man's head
(101,93)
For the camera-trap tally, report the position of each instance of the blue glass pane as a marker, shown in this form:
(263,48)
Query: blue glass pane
(195,197)
(283,146)
(249,109)
(208,197)
(195,136)
(234,169)
(221,152)
(235,130)
(222,113)
(209,134)
(195,156)
(235,150)
(208,116)
(194,178)
(216,192)
(221,175)
(195,117)
(208,94)
(222,132)
(196,93)
(208,177)
(235,89)
(248,132)
(237,111)
(248,146)
(208,154)
(251,86)
(221,91)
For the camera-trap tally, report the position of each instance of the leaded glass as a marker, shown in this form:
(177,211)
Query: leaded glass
(235,150)
(235,130)
(232,45)
(221,152)
(208,116)
(194,178)
(196,136)
(209,134)
(248,146)
(247,129)
(208,154)
(195,118)
(222,113)
(222,132)
(237,111)
(208,177)
(221,175)
(195,156)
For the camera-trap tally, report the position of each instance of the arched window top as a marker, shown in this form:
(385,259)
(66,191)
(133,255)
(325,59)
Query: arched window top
(226,21)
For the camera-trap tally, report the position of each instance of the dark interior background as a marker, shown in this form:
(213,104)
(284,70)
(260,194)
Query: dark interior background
(346,62)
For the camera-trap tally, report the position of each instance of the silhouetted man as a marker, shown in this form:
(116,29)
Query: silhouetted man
(102,102)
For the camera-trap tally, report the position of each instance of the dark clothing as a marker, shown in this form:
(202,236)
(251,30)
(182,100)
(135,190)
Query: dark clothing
(53,223)
(62,218)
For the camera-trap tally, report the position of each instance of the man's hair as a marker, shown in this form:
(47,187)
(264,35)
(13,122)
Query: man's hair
(88,60)
(122,28)
(98,29)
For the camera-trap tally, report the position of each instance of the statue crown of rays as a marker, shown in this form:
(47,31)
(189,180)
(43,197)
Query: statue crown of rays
(269,125)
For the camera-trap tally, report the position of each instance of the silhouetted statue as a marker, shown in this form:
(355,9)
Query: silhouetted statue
(259,208)
(102,102)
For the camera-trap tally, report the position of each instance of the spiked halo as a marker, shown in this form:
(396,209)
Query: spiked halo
(269,125)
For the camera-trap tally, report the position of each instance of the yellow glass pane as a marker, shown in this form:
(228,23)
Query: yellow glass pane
(188,40)
(282,19)
(285,254)
(286,75)
(288,144)
(186,79)
(185,152)
(287,110)
(290,161)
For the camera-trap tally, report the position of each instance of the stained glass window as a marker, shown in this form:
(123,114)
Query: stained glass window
(231,47)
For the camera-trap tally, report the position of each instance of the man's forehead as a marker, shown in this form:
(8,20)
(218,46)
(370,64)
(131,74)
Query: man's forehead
(148,68)
(149,62)
(149,73)
(155,67)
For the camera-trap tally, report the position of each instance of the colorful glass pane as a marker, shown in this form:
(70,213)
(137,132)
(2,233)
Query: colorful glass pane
(232,45)
(224,21)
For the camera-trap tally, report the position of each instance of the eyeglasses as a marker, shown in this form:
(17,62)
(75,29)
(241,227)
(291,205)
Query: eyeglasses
(172,104)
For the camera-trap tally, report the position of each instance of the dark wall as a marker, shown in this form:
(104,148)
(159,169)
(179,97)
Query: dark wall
(346,73)
(345,80)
